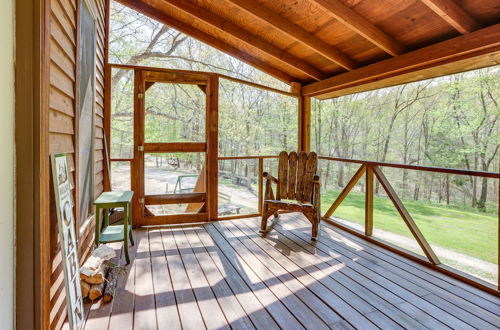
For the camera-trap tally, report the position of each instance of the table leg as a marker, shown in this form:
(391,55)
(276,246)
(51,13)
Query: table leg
(106,217)
(130,231)
(97,224)
(125,238)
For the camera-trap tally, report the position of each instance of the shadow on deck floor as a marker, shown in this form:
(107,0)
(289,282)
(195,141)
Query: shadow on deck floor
(225,274)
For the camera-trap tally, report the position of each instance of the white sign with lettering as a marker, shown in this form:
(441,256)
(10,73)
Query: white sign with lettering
(69,245)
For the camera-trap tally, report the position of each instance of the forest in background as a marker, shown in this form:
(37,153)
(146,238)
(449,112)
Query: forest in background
(447,122)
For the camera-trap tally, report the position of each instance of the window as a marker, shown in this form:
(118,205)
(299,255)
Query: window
(86,104)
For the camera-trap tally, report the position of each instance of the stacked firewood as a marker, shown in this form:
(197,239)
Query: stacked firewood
(99,275)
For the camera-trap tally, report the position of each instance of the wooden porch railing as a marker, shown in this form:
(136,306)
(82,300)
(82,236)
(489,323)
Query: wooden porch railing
(260,195)
(372,170)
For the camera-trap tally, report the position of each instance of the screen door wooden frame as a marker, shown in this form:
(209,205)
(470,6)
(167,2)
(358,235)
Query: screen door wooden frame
(209,84)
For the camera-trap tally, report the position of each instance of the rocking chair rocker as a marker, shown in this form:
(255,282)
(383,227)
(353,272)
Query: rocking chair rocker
(297,181)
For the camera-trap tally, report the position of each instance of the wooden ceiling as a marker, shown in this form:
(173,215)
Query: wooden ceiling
(364,44)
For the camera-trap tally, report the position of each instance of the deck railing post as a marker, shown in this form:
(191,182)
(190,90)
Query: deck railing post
(369,201)
(260,179)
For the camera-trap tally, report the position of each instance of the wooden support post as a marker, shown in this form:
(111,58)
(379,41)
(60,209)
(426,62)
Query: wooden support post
(107,127)
(33,198)
(260,179)
(304,123)
(212,145)
(138,163)
(406,216)
(369,201)
(359,173)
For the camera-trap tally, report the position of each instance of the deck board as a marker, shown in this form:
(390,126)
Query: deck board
(392,279)
(167,314)
(189,311)
(235,315)
(208,304)
(419,276)
(145,308)
(329,275)
(226,275)
(248,299)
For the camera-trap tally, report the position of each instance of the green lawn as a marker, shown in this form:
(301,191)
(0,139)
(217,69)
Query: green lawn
(467,231)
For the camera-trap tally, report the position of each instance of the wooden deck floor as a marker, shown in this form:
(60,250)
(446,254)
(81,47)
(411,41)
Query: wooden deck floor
(225,275)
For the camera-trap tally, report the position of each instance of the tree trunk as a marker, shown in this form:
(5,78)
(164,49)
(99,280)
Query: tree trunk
(327,175)
(440,195)
(406,192)
(340,177)
(481,204)
(429,196)
(416,192)
(474,192)
(447,189)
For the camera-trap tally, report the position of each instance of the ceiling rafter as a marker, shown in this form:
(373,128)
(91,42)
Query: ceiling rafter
(453,14)
(361,25)
(410,65)
(154,13)
(296,32)
(223,25)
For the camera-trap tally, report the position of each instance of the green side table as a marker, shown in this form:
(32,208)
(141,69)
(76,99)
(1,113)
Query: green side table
(114,233)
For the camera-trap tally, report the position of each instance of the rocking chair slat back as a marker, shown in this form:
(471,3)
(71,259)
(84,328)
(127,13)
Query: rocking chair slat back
(311,167)
(301,172)
(295,176)
(292,174)
(283,176)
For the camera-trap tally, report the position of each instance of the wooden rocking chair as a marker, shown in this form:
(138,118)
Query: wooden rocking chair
(297,181)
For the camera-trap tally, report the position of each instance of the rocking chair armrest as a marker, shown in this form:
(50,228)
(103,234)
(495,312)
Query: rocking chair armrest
(268,176)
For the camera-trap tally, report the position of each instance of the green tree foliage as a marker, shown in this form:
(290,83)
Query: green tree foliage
(447,122)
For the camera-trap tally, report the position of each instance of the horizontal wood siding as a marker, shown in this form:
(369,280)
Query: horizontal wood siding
(62,125)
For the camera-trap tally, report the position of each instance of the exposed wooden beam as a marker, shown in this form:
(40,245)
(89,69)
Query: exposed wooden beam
(208,39)
(296,32)
(202,14)
(361,25)
(427,62)
(453,14)
(456,65)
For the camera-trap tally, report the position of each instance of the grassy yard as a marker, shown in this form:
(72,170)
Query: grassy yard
(465,231)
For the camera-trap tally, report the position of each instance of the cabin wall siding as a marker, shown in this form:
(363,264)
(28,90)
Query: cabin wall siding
(62,125)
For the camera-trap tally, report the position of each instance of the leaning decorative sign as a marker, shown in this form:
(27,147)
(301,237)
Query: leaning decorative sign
(69,246)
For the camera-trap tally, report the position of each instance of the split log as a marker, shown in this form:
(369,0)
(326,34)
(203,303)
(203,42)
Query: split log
(96,290)
(93,270)
(98,276)
(111,281)
(85,288)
